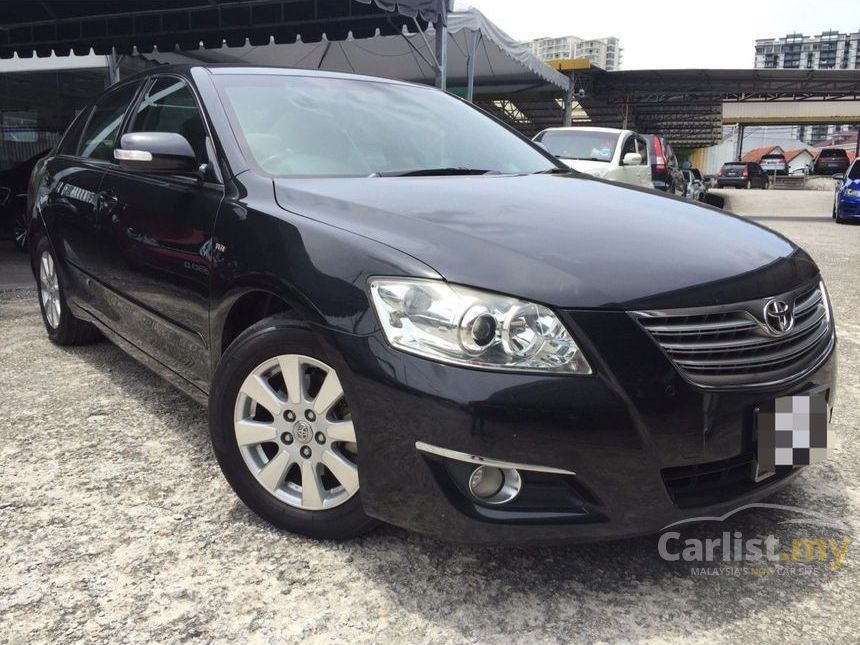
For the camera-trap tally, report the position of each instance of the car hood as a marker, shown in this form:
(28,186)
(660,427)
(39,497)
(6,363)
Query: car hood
(564,240)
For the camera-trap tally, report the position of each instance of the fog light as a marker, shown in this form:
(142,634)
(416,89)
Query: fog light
(492,485)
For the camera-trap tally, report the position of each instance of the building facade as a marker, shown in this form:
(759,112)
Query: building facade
(828,50)
(602,52)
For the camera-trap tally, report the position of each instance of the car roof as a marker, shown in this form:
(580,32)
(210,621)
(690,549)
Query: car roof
(588,129)
(219,69)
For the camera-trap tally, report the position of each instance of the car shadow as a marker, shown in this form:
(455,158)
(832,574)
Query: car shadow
(620,590)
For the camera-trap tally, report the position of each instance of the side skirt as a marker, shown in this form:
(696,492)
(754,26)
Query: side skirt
(145,359)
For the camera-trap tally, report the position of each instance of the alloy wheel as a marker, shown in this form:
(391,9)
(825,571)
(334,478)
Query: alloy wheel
(49,289)
(295,432)
(20,229)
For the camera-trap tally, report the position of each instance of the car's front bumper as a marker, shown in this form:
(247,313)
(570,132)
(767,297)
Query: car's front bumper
(848,207)
(625,432)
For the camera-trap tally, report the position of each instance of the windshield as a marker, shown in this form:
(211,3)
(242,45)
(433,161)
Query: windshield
(580,144)
(326,126)
(773,158)
(854,171)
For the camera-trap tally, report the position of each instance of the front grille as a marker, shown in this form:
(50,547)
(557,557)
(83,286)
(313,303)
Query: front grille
(715,482)
(733,345)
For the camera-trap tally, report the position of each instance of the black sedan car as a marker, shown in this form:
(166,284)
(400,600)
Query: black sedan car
(741,174)
(399,309)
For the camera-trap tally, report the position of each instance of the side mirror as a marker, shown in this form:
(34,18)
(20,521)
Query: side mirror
(839,177)
(632,159)
(157,152)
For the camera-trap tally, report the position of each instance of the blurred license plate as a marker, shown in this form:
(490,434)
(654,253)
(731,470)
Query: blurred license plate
(792,431)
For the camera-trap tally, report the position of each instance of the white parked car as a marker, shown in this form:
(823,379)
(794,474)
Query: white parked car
(696,188)
(617,155)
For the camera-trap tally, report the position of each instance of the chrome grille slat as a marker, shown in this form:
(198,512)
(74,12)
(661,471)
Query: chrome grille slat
(752,342)
(733,346)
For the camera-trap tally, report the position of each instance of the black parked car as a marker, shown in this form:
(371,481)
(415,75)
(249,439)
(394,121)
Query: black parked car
(399,309)
(13,199)
(666,173)
(830,161)
(741,174)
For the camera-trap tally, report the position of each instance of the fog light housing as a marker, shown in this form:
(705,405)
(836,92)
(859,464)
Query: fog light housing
(491,485)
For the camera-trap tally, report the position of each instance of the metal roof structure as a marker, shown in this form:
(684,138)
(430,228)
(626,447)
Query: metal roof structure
(30,27)
(498,64)
(685,105)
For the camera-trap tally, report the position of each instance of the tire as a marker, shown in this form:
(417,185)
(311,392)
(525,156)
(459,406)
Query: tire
(270,472)
(62,326)
(748,185)
(20,222)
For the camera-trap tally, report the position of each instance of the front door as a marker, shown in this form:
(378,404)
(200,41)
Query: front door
(158,250)
(638,174)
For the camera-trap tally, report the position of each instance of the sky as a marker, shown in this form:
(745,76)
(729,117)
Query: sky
(697,34)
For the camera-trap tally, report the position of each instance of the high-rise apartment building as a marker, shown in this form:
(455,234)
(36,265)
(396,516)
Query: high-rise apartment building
(828,50)
(602,52)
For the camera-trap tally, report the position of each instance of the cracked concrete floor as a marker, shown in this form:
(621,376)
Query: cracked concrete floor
(116,525)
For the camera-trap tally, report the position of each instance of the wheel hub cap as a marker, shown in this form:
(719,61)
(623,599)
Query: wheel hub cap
(276,450)
(49,289)
(303,431)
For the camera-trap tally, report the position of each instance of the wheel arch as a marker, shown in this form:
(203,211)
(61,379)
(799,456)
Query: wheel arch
(246,304)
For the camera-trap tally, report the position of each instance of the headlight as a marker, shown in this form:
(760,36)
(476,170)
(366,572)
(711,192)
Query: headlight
(852,192)
(464,326)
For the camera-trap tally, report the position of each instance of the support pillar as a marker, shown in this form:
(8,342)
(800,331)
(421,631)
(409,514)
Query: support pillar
(739,150)
(568,104)
(441,56)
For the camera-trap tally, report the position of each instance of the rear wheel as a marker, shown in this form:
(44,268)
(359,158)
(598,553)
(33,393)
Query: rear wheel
(283,433)
(62,326)
(19,227)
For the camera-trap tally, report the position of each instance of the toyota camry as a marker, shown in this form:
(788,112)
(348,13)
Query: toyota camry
(399,309)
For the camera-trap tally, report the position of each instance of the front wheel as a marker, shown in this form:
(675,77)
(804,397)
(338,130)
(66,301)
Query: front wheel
(283,432)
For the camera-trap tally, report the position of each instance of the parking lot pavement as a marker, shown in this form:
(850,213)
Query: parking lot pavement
(115,523)
(15,271)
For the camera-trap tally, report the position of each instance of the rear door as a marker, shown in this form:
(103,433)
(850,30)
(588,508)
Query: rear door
(158,242)
(71,202)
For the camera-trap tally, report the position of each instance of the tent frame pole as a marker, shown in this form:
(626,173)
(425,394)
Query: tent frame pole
(473,38)
(441,56)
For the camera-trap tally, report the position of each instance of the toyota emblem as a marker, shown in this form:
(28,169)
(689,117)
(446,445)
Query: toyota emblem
(778,316)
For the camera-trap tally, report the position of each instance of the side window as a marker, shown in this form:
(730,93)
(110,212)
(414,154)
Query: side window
(169,106)
(69,144)
(101,132)
(629,147)
(642,149)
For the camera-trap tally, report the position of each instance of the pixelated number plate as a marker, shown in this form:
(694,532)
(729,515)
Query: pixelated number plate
(792,431)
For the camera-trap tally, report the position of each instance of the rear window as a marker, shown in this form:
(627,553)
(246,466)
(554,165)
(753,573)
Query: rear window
(735,164)
(773,157)
(834,152)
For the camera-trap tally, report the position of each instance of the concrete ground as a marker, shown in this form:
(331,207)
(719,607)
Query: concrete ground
(15,272)
(115,524)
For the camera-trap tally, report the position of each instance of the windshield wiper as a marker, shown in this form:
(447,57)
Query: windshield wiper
(553,171)
(435,172)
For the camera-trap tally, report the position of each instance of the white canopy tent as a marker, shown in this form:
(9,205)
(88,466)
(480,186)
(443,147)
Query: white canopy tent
(481,58)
